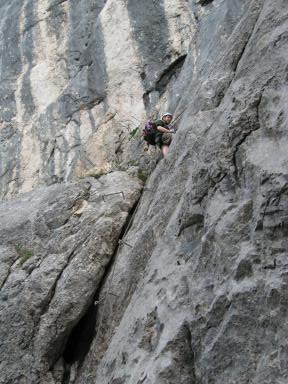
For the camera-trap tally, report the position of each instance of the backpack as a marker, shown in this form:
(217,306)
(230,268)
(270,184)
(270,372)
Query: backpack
(148,132)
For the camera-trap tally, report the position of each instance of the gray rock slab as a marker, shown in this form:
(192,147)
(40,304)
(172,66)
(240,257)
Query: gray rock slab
(55,251)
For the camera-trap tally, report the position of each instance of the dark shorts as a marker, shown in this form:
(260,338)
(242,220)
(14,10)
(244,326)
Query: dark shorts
(163,139)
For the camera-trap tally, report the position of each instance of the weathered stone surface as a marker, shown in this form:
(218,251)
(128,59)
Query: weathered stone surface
(204,287)
(198,292)
(56,245)
(66,105)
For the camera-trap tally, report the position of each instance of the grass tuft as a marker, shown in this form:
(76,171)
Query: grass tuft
(24,254)
(142,175)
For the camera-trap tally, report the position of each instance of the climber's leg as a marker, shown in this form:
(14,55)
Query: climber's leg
(166,141)
(165,150)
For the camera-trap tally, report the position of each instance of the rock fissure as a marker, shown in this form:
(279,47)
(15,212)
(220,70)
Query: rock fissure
(7,276)
(241,54)
(238,58)
(84,332)
(162,83)
(172,70)
(204,2)
(200,199)
(56,4)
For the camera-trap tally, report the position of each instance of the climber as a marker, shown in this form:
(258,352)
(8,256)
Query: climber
(160,133)
(163,136)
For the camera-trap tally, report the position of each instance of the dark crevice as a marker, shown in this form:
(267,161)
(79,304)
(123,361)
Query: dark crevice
(243,50)
(200,199)
(171,71)
(52,152)
(82,335)
(146,100)
(196,220)
(204,2)
(56,4)
(236,60)
(66,375)
(191,352)
(8,274)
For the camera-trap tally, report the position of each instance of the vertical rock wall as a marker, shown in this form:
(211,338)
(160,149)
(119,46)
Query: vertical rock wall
(198,290)
(201,295)
(76,77)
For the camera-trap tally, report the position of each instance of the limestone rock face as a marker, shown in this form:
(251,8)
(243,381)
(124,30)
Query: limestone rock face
(56,246)
(202,295)
(75,77)
(197,291)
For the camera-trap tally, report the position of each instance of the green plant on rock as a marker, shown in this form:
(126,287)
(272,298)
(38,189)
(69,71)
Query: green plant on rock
(142,175)
(23,253)
(133,133)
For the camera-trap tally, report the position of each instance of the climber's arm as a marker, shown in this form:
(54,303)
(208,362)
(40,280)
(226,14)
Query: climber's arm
(162,129)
